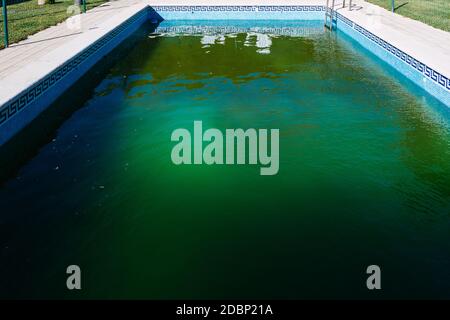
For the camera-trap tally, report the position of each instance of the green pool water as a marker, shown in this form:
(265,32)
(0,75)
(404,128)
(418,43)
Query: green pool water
(364,178)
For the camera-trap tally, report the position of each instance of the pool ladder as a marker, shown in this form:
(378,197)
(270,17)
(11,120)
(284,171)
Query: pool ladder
(330,13)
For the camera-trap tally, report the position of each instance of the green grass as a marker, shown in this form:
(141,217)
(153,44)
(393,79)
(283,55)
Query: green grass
(435,13)
(28,17)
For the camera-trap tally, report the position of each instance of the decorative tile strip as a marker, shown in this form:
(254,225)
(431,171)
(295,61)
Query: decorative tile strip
(238,8)
(25,98)
(428,72)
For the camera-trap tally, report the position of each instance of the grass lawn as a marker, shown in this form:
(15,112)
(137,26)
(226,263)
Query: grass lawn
(435,13)
(28,17)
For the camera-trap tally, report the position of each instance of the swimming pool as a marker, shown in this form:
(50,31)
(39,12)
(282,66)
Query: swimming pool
(364,175)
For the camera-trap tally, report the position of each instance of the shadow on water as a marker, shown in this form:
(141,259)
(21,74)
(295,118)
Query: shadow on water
(438,111)
(27,143)
(426,122)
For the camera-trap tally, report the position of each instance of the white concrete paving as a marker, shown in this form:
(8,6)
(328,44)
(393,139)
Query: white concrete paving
(429,45)
(24,63)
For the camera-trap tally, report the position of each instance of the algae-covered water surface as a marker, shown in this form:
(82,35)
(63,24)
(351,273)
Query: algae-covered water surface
(363,179)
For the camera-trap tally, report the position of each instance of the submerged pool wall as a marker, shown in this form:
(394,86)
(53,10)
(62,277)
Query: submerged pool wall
(20,110)
(435,83)
(241,12)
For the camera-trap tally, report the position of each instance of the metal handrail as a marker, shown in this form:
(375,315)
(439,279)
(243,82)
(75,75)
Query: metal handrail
(349,5)
(5,19)
(5,23)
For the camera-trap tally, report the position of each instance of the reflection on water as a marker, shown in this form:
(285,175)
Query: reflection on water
(364,176)
(263,42)
(258,36)
(230,28)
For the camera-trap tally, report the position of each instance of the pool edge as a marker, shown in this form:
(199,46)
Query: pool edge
(24,107)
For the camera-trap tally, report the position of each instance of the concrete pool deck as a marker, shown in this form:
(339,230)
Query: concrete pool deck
(425,43)
(23,64)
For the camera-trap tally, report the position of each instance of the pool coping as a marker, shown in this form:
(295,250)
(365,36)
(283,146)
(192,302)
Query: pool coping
(430,71)
(31,89)
(28,85)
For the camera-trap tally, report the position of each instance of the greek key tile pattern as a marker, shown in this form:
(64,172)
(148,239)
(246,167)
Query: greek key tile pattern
(419,66)
(428,72)
(238,8)
(24,99)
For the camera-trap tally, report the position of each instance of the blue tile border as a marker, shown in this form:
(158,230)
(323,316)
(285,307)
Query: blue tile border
(425,70)
(238,8)
(28,96)
(241,12)
(18,103)
(304,30)
(345,19)
(420,67)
